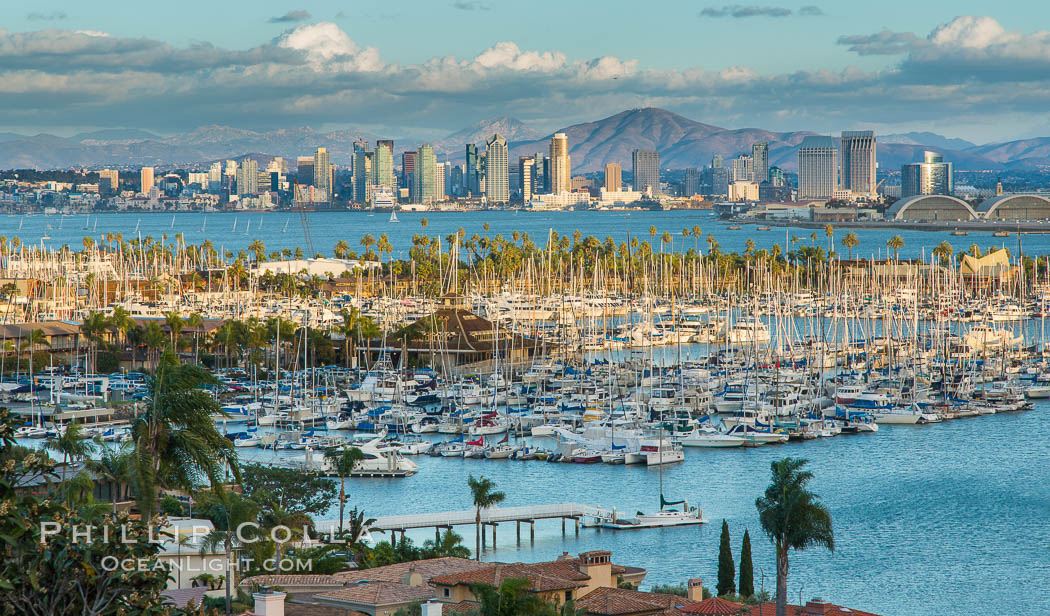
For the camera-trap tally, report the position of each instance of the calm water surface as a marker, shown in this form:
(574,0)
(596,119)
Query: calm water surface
(284,230)
(928,519)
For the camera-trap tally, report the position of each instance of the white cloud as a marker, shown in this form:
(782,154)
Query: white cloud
(976,32)
(507,55)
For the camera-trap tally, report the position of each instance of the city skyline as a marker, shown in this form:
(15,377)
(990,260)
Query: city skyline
(67,72)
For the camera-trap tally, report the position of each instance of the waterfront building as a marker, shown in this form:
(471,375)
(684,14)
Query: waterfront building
(472,184)
(108,181)
(363,177)
(383,163)
(932,176)
(743,169)
(323,171)
(580,183)
(715,181)
(560,164)
(613,177)
(304,170)
(646,170)
(145,179)
(817,168)
(743,191)
(455,185)
(248,177)
(424,183)
(857,156)
(526,166)
(440,175)
(497,180)
(691,185)
(760,162)
(617,198)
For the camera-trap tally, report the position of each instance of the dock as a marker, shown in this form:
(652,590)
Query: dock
(491,517)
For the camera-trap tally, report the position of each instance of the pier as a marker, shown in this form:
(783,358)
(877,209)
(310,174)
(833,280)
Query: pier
(491,517)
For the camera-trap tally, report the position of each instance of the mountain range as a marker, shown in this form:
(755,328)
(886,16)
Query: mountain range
(682,142)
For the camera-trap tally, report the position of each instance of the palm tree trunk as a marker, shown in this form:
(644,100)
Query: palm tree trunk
(782,581)
(342,501)
(477,535)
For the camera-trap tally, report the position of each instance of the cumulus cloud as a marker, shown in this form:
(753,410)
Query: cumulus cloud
(470,5)
(316,73)
(50,16)
(291,17)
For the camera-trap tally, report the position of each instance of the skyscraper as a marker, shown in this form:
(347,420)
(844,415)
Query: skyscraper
(526,175)
(646,169)
(613,177)
(323,173)
(760,162)
(560,165)
(455,186)
(692,182)
(146,179)
(440,171)
(857,157)
(716,161)
(304,170)
(497,172)
(248,177)
(471,185)
(743,169)
(817,168)
(383,163)
(932,176)
(425,166)
(363,179)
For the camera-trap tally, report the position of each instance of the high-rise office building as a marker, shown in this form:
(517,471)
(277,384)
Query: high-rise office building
(932,176)
(743,169)
(560,164)
(716,161)
(455,186)
(304,170)
(248,177)
(613,177)
(646,170)
(691,186)
(471,181)
(817,168)
(497,171)
(857,158)
(108,181)
(383,163)
(760,162)
(363,179)
(541,174)
(146,179)
(424,165)
(440,173)
(323,172)
(408,172)
(526,177)
(776,176)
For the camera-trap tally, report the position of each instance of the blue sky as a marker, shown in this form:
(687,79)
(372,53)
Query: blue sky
(431,67)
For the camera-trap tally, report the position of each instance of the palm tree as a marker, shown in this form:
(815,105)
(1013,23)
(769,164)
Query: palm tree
(341,249)
(850,242)
(482,490)
(93,328)
(176,442)
(793,518)
(829,231)
(895,242)
(943,251)
(121,321)
(175,324)
(343,461)
(34,338)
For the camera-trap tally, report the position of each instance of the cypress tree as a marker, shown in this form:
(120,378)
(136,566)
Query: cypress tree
(747,572)
(726,570)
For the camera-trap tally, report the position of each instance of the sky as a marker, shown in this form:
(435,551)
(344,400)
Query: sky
(975,70)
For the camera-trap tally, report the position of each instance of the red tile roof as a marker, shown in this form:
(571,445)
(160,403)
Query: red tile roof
(427,569)
(377,593)
(541,578)
(812,608)
(715,606)
(621,602)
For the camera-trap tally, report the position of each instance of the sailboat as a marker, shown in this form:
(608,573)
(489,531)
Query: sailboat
(205,225)
(234,225)
(393,216)
(47,233)
(285,229)
(248,228)
(87,219)
(21,221)
(95,226)
(137,223)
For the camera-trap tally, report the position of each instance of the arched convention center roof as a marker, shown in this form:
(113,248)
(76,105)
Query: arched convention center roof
(1015,207)
(930,208)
